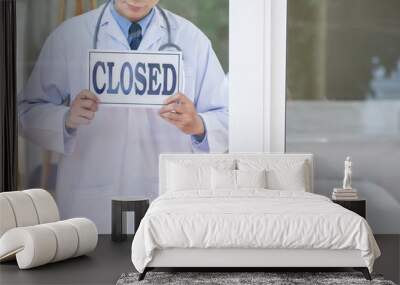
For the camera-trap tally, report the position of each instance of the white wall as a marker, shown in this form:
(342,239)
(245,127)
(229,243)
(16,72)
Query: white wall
(257,75)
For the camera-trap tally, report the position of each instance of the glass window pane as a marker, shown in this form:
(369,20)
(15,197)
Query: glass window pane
(113,151)
(343,97)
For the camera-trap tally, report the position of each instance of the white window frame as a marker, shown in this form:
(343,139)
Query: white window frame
(257,76)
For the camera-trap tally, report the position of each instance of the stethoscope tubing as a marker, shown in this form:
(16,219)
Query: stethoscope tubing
(165,46)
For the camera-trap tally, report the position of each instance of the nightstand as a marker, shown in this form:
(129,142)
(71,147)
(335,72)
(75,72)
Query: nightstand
(121,205)
(357,206)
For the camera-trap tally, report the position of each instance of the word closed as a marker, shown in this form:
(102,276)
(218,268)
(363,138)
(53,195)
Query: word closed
(138,78)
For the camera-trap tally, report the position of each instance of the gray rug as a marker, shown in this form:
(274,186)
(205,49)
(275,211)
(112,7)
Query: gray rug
(269,278)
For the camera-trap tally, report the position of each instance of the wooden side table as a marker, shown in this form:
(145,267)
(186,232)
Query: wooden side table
(357,206)
(121,205)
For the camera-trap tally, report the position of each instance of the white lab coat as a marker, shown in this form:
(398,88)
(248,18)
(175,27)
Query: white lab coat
(117,154)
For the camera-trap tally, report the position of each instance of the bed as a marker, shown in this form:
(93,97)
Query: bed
(247,211)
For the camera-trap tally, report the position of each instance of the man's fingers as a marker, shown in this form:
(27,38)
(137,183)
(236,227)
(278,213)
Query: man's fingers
(177,124)
(86,94)
(178,97)
(86,114)
(89,105)
(172,99)
(82,110)
(173,107)
(172,116)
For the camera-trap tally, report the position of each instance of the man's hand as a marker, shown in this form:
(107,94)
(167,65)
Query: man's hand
(82,109)
(180,111)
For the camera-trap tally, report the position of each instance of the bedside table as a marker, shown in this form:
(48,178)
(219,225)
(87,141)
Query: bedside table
(121,205)
(357,206)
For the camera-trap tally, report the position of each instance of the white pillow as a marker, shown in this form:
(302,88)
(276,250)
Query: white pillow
(291,178)
(282,174)
(188,177)
(186,174)
(237,179)
(251,178)
(223,179)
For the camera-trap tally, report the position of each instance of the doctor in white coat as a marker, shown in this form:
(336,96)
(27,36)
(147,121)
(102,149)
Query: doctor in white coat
(108,151)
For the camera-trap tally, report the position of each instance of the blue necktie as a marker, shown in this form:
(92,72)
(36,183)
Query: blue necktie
(135,36)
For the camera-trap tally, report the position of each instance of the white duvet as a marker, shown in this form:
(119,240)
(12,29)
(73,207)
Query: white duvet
(250,219)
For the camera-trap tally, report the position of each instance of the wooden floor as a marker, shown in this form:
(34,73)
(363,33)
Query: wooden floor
(103,266)
(110,260)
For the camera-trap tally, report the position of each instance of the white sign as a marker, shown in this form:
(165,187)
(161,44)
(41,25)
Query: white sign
(131,77)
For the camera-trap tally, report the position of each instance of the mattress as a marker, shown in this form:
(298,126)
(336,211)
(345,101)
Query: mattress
(250,219)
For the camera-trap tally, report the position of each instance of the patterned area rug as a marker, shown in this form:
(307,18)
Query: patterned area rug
(269,278)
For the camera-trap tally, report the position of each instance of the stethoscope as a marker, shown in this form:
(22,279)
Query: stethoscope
(167,46)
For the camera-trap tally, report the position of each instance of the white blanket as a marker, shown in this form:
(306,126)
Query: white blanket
(250,218)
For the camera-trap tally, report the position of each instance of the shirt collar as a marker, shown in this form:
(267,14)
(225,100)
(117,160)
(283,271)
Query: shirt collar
(125,24)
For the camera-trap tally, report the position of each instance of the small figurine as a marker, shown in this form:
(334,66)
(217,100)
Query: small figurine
(347,174)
